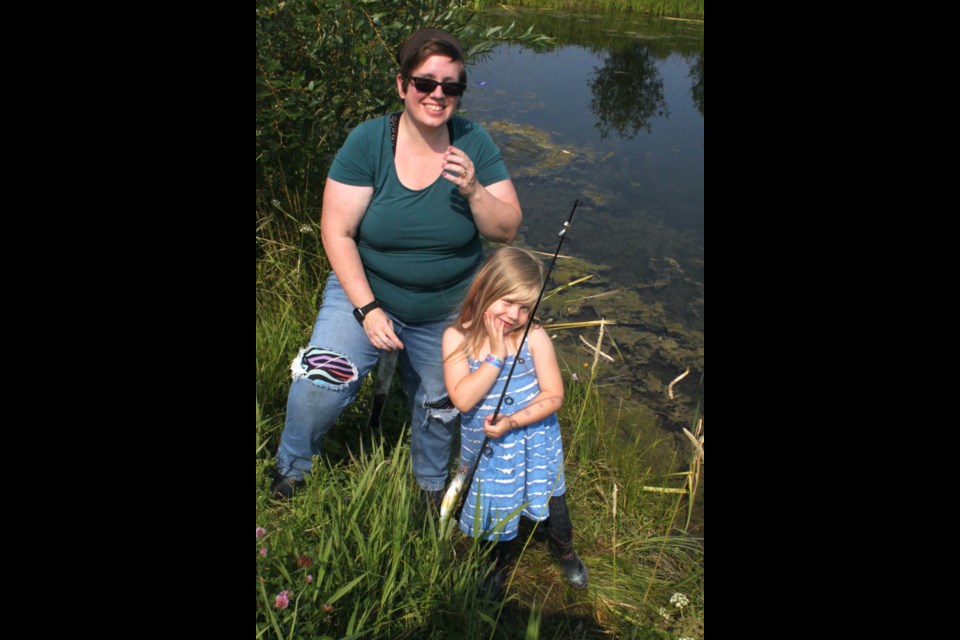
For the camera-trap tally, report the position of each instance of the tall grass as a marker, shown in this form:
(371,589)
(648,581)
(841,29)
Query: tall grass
(291,268)
(377,565)
(691,9)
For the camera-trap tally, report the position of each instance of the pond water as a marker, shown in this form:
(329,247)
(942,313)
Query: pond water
(612,116)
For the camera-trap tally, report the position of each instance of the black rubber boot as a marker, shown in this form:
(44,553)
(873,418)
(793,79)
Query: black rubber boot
(560,543)
(495,582)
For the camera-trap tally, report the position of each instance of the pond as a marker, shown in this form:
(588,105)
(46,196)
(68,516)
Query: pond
(612,116)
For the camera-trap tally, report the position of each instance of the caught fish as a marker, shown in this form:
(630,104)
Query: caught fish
(449,503)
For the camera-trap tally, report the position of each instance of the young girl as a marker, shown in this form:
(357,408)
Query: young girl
(522,464)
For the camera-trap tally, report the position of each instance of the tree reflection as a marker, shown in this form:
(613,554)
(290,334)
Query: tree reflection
(628,91)
(696,91)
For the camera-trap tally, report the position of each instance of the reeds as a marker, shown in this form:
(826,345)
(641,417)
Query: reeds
(691,9)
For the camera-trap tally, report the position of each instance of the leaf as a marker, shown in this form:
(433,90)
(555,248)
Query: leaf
(342,591)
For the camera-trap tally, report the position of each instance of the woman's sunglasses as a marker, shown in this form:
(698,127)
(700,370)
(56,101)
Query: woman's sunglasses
(427,85)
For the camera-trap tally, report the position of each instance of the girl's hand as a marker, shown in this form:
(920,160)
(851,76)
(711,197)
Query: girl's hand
(458,169)
(496,330)
(503,425)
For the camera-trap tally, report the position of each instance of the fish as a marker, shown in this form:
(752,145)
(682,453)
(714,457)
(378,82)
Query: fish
(449,503)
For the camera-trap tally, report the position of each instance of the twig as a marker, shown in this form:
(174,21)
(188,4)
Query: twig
(577,325)
(676,380)
(549,255)
(594,349)
(663,490)
(697,443)
(597,352)
(567,286)
(614,539)
(605,294)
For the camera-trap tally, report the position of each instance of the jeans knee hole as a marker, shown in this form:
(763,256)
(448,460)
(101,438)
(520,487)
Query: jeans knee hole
(324,368)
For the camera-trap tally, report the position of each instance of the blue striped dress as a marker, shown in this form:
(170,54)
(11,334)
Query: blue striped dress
(526,467)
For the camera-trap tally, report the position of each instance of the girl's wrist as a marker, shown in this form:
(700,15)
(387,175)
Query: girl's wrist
(494,360)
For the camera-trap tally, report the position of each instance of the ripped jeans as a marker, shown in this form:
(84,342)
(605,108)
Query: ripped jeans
(342,357)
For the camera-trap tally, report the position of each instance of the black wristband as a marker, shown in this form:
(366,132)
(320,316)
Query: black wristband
(361,312)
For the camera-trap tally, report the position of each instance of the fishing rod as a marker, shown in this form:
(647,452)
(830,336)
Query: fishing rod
(455,492)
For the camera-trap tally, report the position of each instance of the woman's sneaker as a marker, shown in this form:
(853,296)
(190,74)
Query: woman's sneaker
(283,487)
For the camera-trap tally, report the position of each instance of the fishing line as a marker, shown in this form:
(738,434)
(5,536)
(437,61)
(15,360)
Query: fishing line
(485,448)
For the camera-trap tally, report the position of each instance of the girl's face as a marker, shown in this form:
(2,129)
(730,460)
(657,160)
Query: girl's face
(512,311)
(433,108)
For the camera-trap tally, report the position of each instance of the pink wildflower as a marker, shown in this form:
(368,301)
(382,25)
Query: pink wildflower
(263,551)
(283,600)
(304,561)
(309,578)
(261,532)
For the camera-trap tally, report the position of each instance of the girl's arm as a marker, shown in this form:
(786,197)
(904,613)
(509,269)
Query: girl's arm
(466,389)
(550,398)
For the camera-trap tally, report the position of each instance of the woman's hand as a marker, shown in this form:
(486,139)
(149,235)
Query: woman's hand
(503,425)
(458,168)
(379,329)
(495,207)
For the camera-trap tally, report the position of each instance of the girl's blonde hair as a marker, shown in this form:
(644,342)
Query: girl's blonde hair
(509,272)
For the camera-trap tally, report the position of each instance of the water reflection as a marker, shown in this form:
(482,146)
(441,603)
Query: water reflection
(696,92)
(627,92)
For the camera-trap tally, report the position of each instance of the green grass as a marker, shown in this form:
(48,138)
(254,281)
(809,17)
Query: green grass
(690,9)
(378,566)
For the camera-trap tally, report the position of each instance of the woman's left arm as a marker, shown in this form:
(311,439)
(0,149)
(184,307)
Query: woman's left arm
(495,208)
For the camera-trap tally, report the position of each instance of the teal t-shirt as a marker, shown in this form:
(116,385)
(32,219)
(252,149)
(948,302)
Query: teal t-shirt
(419,249)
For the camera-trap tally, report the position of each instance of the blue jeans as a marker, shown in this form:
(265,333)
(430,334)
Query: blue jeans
(313,405)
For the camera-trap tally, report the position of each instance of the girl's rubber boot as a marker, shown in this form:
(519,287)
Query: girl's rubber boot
(495,582)
(571,565)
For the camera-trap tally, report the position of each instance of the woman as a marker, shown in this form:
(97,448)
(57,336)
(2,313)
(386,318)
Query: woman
(405,201)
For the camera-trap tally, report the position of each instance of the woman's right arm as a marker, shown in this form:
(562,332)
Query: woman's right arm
(343,209)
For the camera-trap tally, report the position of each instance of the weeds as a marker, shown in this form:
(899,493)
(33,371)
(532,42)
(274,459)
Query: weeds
(356,553)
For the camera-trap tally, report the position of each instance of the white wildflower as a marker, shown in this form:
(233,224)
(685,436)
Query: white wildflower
(275,202)
(664,613)
(679,600)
